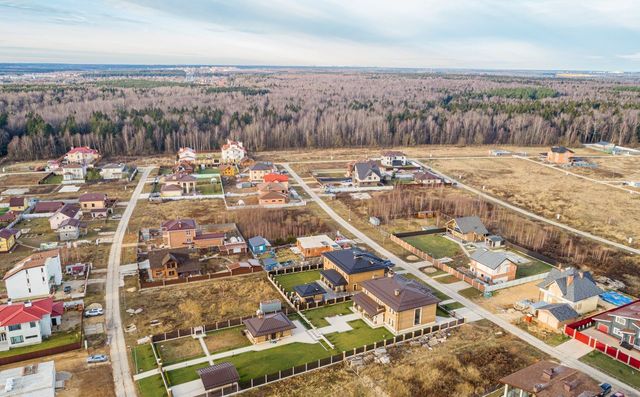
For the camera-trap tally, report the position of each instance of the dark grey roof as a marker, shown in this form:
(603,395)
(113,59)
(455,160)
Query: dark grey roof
(261,167)
(400,293)
(69,210)
(582,287)
(369,305)
(488,258)
(218,375)
(353,261)
(333,277)
(268,324)
(561,311)
(494,237)
(468,224)
(310,289)
(560,149)
(364,169)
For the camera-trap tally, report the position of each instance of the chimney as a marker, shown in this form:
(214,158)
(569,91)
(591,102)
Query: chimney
(396,292)
(569,386)
(570,279)
(27,304)
(548,374)
(260,313)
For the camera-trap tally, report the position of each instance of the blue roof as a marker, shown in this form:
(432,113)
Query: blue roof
(615,298)
(353,261)
(258,241)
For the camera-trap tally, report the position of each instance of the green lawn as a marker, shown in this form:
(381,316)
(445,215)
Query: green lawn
(440,312)
(316,316)
(453,306)
(142,355)
(470,293)
(296,316)
(4,210)
(450,279)
(208,188)
(434,245)
(288,281)
(613,367)
(53,180)
(208,171)
(361,335)
(532,268)
(152,387)
(440,295)
(57,339)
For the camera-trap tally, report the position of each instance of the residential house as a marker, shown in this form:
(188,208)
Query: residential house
(167,191)
(393,158)
(556,315)
(276,187)
(186,182)
(622,323)
(28,323)
(267,327)
(277,178)
(222,378)
(9,216)
(186,155)
(7,239)
(36,379)
(34,276)
(344,270)
(53,166)
(96,203)
(71,229)
(233,152)
(259,170)
(494,241)
(560,155)
(18,203)
(493,267)
(549,379)
(114,171)
(47,207)
(82,155)
(74,172)
(396,302)
(366,173)
(178,233)
(272,198)
(259,245)
(207,240)
(172,264)
(243,267)
(313,246)
(229,170)
(571,286)
(428,178)
(310,292)
(467,228)
(67,211)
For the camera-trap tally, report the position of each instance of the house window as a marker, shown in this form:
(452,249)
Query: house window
(16,339)
(15,327)
(621,320)
(616,331)
(32,336)
(3,337)
(417,314)
(32,324)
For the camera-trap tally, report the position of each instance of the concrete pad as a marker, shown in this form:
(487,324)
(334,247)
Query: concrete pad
(574,349)
(189,389)
(459,285)
(69,189)
(469,315)
(339,323)
(15,192)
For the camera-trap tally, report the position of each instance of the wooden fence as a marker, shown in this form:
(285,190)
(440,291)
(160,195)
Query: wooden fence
(41,353)
(204,277)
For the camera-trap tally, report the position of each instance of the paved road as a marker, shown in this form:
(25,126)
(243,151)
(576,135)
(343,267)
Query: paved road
(538,217)
(119,353)
(413,269)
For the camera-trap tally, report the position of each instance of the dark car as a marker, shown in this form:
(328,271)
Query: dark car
(606,389)
(67,289)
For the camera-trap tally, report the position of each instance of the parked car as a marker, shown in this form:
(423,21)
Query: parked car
(618,394)
(67,289)
(116,216)
(97,358)
(606,389)
(93,312)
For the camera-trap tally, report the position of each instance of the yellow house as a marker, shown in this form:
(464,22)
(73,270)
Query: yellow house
(18,203)
(228,170)
(345,270)
(7,239)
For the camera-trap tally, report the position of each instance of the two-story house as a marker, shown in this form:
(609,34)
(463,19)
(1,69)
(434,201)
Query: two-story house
(96,204)
(67,211)
(113,171)
(7,239)
(71,229)
(366,173)
(560,155)
(178,233)
(34,276)
(571,286)
(82,155)
(28,323)
(396,302)
(233,152)
(172,264)
(186,155)
(467,228)
(186,182)
(345,270)
(18,203)
(622,324)
(73,172)
(492,266)
(393,158)
(258,171)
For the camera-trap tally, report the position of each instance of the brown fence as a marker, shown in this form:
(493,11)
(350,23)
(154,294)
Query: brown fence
(204,277)
(41,353)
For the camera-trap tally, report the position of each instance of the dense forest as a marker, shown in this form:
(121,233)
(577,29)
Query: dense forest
(296,110)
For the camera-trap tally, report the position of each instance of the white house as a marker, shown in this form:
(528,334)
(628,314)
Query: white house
(71,229)
(82,155)
(67,211)
(233,152)
(393,158)
(27,323)
(74,172)
(113,171)
(34,276)
(571,286)
(186,154)
(366,173)
(34,379)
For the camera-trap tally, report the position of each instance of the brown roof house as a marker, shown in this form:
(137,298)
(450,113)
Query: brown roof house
(18,203)
(560,155)
(549,379)
(467,228)
(428,178)
(222,377)
(272,198)
(171,264)
(67,211)
(95,203)
(186,182)
(181,233)
(46,207)
(397,303)
(266,327)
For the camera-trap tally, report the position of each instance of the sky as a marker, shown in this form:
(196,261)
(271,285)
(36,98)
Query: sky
(470,34)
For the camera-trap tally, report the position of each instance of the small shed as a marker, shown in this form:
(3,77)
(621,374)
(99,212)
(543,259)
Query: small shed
(374,221)
(556,315)
(258,245)
(494,241)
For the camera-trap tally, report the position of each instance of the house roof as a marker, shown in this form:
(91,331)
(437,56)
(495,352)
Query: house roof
(631,311)
(319,241)
(309,289)
(468,224)
(271,195)
(549,379)
(158,259)
(268,324)
(575,285)
(178,224)
(7,232)
(218,375)
(490,259)
(400,293)
(364,169)
(276,178)
(9,216)
(495,238)
(34,260)
(73,223)
(392,153)
(17,201)
(369,305)
(69,210)
(355,261)
(560,149)
(181,177)
(334,277)
(261,167)
(87,197)
(272,186)
(560,311)
(83,150)
(256,241)
(47,206)
(424,176)
(23,312)
(113,166)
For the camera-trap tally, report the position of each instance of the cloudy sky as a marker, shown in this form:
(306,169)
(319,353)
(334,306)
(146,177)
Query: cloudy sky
(507,34)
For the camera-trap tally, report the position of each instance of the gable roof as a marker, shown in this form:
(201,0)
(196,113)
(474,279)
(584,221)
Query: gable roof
(468,224)
(73,223)
(490,259)
(631,311)
(272,195)
(353,261)
(6,233)
(574,285)
(560,149)
(275,178)
(400,293)
(256,241)
(333,277)
(34,260)
(425,176)
(181,177)
(178,224)
(9,216)
(92,197)
(561,311)
(68,210)
(47,206)
(17,201)
(268,324)
(83,150)
(158,259)
(22,312)
(364,169)
(549,379)
(218,375)
(309,289)
(261,167)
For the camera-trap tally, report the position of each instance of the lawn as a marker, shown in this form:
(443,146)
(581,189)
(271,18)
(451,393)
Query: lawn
(296,316)
(4,210)
(440,295)
(532,268)
(453,306)
(208,171)
(208,188)
(434,245)
(226,339)
(613,367)
(53,180)
(317,316)
(178,350)
(450,279)
(152,387)
(288,281)
(57,339)
(361,335)
(143,357)
(440,312)
(470,293)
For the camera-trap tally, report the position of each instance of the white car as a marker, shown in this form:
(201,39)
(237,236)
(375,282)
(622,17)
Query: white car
(93,312)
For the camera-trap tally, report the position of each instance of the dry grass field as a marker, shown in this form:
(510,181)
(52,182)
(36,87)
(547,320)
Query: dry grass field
(613,168)
(588,206)
(12,180)
(469,363)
